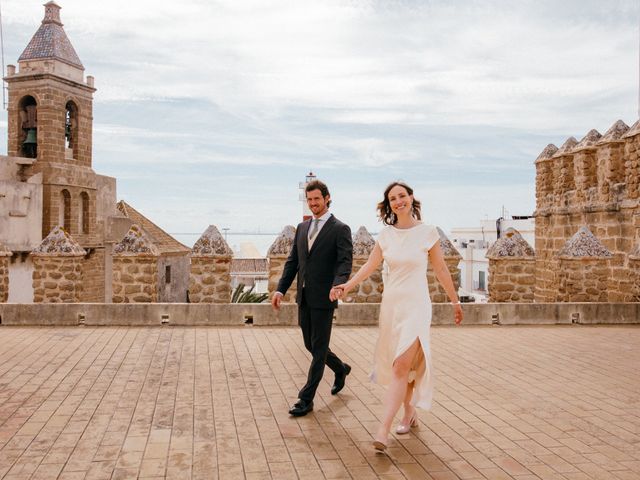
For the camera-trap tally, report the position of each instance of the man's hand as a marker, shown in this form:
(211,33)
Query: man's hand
(276,300)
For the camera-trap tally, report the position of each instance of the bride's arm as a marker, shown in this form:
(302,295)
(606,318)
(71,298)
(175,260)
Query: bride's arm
(374,260)
(436,258)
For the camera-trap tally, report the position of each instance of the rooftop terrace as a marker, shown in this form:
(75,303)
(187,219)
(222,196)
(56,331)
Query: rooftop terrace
(522,402)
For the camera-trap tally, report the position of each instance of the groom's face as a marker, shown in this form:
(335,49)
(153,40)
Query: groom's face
(317,203)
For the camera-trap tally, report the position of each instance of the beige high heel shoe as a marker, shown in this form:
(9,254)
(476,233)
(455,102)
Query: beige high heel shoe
(403,429)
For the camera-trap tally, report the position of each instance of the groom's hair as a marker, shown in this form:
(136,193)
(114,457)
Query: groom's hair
(318,185)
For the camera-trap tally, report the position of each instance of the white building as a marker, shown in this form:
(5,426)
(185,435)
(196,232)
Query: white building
(473,243)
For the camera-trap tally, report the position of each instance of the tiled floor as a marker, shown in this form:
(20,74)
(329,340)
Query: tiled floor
(511,402)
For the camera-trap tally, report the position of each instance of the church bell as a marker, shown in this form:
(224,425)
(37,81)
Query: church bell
(31,137)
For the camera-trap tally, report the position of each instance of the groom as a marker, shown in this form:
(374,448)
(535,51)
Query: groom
(321,257)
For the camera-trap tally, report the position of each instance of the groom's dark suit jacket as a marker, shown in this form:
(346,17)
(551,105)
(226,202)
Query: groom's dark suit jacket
(328,262)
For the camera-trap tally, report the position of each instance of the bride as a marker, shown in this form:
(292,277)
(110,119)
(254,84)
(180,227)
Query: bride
(402,358)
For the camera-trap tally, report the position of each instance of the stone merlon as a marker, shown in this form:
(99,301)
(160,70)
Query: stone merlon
(548,152)
(448,250)
(589,140)
(363,242)
(211,243)
(615,132)
(511,245)
(136,242)
(584,244)
(59,244)
(633,130)
(567,147)
(282,244)
(4,251)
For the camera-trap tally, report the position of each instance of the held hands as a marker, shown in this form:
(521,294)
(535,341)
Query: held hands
(339,291)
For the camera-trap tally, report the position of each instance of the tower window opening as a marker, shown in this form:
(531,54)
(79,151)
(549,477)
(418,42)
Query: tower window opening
(64,218)
(28,136)
(84,213)
(71,129)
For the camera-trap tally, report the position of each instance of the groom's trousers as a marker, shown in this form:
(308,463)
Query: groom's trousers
(316,331)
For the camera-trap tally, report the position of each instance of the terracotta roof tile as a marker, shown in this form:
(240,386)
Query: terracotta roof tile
(165,243)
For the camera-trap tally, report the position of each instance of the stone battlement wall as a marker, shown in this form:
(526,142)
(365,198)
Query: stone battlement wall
(593,183)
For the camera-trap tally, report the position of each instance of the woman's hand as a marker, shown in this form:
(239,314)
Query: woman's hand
(457,313)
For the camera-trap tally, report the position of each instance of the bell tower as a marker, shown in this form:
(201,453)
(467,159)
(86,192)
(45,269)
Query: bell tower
(50,117)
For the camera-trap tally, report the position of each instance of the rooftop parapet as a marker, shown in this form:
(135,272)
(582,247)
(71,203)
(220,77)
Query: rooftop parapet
(283,243)
(510,245)
(211,243)
(584,244)
(363,242)
(136,242)
(615,133)
(59,244)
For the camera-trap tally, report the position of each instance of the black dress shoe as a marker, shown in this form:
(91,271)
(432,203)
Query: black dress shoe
(339,382)
(301,408)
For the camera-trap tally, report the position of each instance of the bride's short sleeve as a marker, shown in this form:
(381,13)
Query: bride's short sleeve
(381,239)
(432,236)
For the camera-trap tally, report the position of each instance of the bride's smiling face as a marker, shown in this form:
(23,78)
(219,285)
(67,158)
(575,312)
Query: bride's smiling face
(400,200)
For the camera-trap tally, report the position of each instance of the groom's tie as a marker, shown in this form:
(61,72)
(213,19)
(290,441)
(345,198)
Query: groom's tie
(314,232)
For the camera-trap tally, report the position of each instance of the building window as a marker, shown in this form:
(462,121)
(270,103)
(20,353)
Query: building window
(64,218)
(71,130)
(84,213)
(167,274)
(28,131)
(482,281)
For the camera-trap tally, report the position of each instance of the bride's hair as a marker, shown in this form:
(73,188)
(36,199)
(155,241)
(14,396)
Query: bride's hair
(384,207)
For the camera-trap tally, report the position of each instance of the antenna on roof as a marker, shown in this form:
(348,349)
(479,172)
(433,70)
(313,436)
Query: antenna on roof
(4,87)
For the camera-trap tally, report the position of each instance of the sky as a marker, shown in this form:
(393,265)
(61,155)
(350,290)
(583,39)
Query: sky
(211,112)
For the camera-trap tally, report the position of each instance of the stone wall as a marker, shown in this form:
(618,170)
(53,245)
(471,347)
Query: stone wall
(58,269)
(278,254)
(370,290)
(5,256)
(591,183)
(634,274)
(135,268)
(94,277)
(511,269)
(452,259)
(135,279)
(210,275)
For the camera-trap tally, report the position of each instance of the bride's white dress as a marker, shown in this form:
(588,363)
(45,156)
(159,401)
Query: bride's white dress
(405,311)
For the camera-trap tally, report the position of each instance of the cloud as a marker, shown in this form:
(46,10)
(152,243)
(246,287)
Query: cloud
(227,102)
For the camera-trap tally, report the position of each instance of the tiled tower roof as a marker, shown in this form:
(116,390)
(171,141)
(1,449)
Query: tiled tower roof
(51,41)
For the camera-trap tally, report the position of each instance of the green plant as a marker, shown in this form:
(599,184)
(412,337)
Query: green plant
(240,296)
